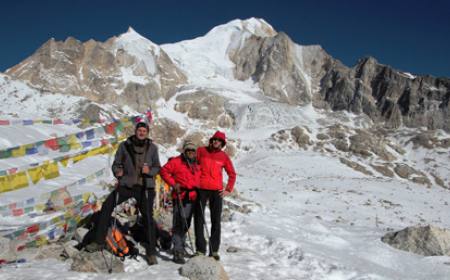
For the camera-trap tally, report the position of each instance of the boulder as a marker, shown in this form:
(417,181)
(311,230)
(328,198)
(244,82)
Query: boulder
(404,170)
(97,262)
(355,166)
(384,170)
(426,240)
(166,132)
(51,251)
(300,137)
(340,144)
(203,268)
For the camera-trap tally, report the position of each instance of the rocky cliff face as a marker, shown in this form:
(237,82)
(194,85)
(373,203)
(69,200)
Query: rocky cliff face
(127,70)
(387,95)
(271,63)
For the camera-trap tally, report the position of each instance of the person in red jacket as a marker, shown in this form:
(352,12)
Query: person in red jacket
(183,174)
(212,162)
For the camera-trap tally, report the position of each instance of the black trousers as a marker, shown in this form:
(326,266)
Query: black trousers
(215,208)
(181,221)
(144,198)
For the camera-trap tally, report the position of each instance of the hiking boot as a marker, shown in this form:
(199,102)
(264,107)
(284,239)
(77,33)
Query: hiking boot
(94,247)
(178,258)
(216,256)
(198,253)
(151,259)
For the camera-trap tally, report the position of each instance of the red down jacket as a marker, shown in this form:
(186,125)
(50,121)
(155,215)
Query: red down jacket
(177,170)
(211,164)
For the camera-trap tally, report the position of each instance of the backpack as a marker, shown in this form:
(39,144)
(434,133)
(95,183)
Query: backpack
(116,242)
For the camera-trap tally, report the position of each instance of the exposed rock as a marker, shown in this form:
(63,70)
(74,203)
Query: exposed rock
(405,171)
(385,94)
(280,136)
(69,251)
(438,180)
(427,240)
(51,251)
(98,262)
(198,138)
(365,143)
(423,180)
(383,169)
(107,72)
(80,233)
(337,132)
(397,148)
(273,62)
(230,149)
(232,249)
(355,166)
(322,136)
(341,145)
(444,143)
(424,140)
(166,132)
(205,106)
(300,137)
(203,268)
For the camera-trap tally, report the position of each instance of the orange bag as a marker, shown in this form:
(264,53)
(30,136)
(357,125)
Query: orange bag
(116,242)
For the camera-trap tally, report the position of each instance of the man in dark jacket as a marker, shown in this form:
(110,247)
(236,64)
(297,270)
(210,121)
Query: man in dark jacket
(212,162)
(183,174)
(136,164)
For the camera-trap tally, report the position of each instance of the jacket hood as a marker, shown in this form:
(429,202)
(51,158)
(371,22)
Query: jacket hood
(219,135)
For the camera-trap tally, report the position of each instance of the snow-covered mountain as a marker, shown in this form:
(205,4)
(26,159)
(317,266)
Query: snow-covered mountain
(329,157)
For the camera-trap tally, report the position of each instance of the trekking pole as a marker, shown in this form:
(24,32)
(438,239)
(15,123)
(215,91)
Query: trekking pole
(205,226)
(180,205)
(114,227)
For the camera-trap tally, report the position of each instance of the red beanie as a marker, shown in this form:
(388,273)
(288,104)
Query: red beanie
(219,135)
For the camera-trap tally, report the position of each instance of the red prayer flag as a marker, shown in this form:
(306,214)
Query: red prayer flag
(17,212)
(32,229)
(52,144)
(58,121)
(110,128)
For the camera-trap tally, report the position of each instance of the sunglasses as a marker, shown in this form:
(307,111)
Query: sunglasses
(189,150)
(216,139)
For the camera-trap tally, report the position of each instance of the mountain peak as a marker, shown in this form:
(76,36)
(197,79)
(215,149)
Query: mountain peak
(256,26)
(132,35)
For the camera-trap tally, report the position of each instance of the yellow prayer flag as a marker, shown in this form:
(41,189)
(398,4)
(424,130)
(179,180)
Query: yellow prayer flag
(73,142)
(19,151)
(40,207)
(65,162)
(41,240)
(50,170)
(86,196)
(79,157)
(4,184)
(36,174)
(18,180)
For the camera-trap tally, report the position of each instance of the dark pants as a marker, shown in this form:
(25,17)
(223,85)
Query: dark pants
(182,216)
(144,198)
(215,207)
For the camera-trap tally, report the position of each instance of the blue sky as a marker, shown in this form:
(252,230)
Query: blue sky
(412,36)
